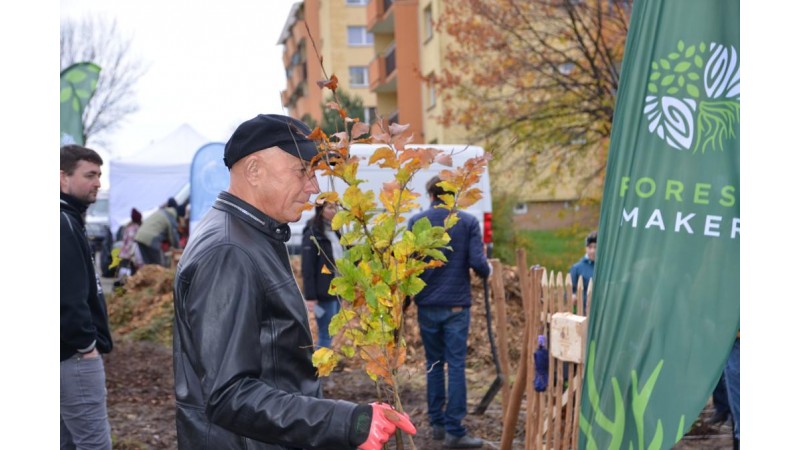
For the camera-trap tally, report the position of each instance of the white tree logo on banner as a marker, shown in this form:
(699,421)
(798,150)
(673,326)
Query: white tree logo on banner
(676,110)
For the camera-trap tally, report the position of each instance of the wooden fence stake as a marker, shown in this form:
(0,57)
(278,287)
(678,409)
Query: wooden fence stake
(518,390)
(499,298)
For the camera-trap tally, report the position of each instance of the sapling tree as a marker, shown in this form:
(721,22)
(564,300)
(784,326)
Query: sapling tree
(384,259)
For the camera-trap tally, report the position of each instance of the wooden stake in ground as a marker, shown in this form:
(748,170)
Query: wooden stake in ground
(499,299)
(518,390)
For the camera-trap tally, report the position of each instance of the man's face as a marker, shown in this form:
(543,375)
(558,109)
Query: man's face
(286,187)
(84,182)
(591,251)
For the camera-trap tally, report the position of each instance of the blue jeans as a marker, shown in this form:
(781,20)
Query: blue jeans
(444,332)
(720,396)
(331,307)
(732,380)
(84,418)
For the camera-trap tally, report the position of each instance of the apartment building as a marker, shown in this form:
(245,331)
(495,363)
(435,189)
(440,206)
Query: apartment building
(383,51)
(339,32)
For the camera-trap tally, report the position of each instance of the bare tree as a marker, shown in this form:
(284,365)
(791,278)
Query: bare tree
(96,39)
(536,80)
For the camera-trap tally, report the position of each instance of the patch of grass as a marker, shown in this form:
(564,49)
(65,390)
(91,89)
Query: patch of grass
(555,250)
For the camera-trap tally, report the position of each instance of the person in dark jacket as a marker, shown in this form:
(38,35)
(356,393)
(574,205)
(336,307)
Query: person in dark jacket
(159,227)
(584,268)
(321,249)
(443,311)
(242,343)
(85,333)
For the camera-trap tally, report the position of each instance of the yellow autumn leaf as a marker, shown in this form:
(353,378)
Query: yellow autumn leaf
(325,360)
(385,154)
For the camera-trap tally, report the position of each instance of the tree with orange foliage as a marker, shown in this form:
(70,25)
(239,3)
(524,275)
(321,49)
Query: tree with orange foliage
(536,80)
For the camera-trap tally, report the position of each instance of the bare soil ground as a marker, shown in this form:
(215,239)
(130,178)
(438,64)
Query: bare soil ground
(140,385)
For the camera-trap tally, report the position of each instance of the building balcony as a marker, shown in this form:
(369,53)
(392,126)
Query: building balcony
(380,16)
(285,98)
(299,74)
(383,72)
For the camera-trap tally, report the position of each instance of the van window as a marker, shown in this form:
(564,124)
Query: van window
(98,208)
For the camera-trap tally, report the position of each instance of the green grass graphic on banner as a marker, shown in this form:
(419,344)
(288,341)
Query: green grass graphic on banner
(665,308)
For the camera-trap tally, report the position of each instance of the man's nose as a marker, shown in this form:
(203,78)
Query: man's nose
(312,187)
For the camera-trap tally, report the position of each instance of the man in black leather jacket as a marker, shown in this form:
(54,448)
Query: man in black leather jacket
(242,343)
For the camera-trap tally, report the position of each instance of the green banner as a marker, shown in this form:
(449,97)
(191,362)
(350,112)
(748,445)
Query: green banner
(78,83)
(665,307)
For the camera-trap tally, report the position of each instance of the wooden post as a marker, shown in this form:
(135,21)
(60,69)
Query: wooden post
(499,298)
(518,390)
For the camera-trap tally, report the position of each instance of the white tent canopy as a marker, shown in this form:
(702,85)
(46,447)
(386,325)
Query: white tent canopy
(149,177)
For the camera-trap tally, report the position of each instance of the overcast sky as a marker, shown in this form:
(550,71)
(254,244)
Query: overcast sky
(211,64)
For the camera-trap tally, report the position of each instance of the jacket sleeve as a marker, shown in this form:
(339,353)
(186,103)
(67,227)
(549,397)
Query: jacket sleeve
(308,265)
(477,256)
(77,329)
(573,274)
(224,321)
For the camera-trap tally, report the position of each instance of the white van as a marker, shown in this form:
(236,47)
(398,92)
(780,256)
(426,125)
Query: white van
(375,176)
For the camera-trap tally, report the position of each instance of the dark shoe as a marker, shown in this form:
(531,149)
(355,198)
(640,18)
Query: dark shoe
(717,418)
(465,441)
(438,432)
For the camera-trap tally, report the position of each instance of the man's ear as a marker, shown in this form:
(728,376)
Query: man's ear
(63,181)
(252,169)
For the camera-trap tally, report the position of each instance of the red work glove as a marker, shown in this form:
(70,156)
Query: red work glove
(385,420)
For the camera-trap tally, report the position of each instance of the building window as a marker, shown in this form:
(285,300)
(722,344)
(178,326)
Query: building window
(428,23)
(356,2)
(431,91)
(359,76)
(370,114)
(521,208)
(358,36)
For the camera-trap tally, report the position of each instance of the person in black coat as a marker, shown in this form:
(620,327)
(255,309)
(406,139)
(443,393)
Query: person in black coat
(242,349)
(85,333)
(321,249)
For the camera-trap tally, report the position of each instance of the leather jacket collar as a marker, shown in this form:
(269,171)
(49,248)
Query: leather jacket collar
(237,207)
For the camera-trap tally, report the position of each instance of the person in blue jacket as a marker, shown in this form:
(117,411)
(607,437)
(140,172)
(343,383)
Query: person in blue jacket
(585,267)
(443,310)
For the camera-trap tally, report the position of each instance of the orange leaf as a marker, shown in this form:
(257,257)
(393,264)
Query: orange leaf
(331,84)
(396,128)
(317,134)
(382,138)
(359,129)
(444,159)
(328,196)
(325,269)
